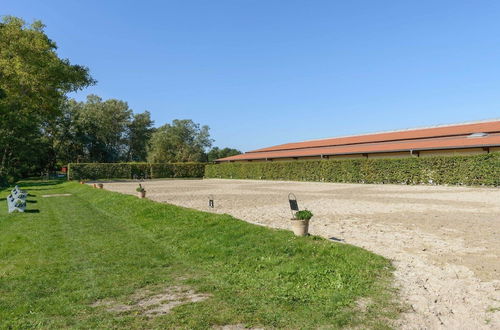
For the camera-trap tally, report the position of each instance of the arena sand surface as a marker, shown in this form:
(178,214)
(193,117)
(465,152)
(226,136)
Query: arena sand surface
(443,241)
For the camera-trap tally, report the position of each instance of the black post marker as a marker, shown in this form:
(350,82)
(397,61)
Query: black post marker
(294,205)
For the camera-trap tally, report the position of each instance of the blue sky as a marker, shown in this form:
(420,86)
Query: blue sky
(266,72)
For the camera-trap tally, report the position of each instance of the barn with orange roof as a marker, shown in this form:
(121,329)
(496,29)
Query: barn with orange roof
(459,139)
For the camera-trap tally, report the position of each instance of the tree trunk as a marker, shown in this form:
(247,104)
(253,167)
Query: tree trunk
(4,160)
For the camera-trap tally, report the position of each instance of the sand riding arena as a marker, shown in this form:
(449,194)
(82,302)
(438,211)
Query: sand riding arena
(443,241)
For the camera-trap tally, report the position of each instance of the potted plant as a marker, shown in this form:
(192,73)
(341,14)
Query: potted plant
(141,192)
(100,186)
(300,223)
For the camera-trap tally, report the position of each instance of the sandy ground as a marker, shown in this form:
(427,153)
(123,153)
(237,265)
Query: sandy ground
(444,241)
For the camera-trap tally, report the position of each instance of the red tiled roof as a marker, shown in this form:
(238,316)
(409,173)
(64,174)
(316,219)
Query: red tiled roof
(444,137)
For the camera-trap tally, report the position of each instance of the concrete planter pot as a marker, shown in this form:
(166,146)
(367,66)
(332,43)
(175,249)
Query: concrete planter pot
(100,186)
(141,194)
(300,227)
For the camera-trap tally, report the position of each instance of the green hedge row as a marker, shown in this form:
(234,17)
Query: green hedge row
(455,170)
(94,171)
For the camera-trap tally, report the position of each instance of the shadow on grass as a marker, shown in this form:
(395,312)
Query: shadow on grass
(31,201)
(39,183)
(31,211)
(34,185)
(34,182)
(40,189)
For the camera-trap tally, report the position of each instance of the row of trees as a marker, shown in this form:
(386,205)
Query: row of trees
(100,131)
(108,131)
(41,129)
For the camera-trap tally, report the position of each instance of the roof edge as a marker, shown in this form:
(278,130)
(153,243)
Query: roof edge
(228,159)
(381,132)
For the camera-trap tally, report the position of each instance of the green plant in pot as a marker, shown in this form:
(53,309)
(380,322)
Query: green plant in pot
(141,192)
(300,222)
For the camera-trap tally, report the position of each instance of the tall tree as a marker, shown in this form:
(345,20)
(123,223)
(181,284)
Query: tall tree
(33,84)
(65,134)
(140,130)
(104,125)
(181,141)
(216,153)
(100,131)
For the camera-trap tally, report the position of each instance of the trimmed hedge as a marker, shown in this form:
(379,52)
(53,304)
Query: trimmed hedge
(455,170)
(178,170)
(94,171)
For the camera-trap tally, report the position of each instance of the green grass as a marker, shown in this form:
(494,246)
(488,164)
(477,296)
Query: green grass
(70,252)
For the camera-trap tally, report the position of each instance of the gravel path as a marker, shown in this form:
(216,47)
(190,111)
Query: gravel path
(444,241)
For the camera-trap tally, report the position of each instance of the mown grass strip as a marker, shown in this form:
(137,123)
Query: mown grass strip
(96,245)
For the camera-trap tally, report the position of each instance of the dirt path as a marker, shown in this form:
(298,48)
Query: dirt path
(444,241)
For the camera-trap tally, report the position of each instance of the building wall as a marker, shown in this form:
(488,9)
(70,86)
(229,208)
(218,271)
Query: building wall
(453,152)
(252,160)
(405,154)
(284,159)
(390,155)
(357,156)
(494,149)
(310,158)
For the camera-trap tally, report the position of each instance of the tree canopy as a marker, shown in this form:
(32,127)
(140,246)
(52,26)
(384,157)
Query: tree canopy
(33,85)
(180,141)
(101,131)
(42,129)
(216,153)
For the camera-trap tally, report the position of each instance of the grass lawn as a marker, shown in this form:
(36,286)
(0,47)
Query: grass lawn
(70,252)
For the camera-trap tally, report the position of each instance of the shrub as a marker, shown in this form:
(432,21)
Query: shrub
(456,170)
(140,170)
(4,182)
(98,171)
(178,170)
(94,171)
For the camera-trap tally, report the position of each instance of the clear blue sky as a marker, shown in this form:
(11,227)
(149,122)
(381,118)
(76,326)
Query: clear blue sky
(266,72)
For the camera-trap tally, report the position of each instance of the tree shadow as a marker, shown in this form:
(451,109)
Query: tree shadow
(38,183)
(40,189)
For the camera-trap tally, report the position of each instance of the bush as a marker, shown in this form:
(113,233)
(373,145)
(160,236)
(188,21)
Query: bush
(140,170)
(98,171)
(4,182)
(178,170)
(456,170)
(94,171)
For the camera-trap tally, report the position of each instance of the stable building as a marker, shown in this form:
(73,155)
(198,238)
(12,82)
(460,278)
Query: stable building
(459,139)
